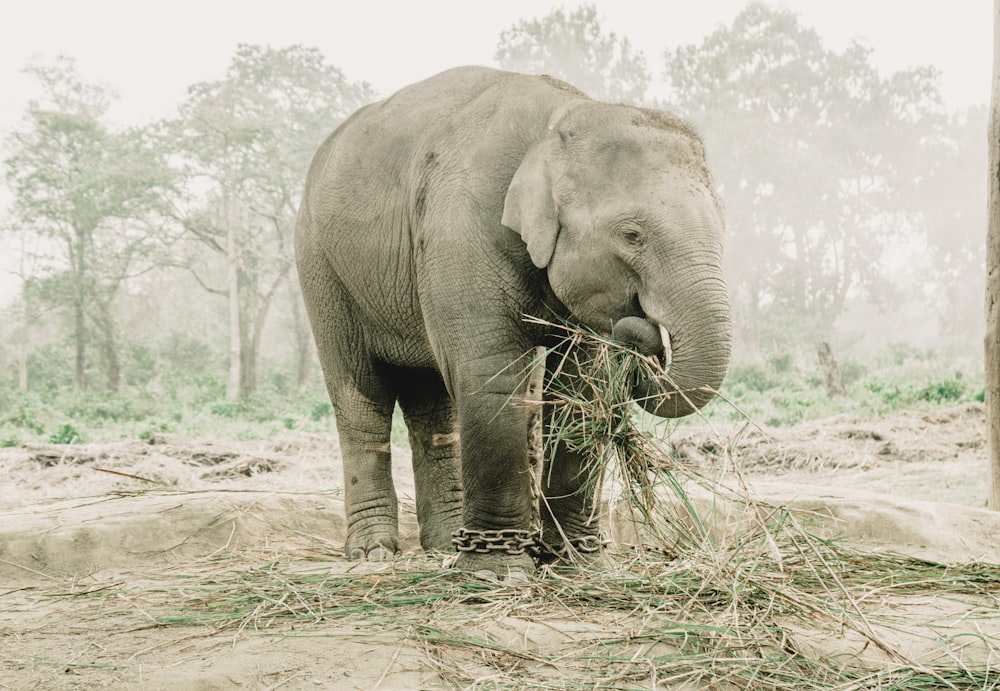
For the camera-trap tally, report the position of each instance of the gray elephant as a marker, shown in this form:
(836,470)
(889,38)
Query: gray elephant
(432,222)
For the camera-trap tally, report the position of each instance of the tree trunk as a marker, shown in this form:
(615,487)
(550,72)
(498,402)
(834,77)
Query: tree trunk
(79,252)
(233,281)
(80,343)
(831,370)
(248,369)
(109,343)
(303,340)
(992,340)
(251,352)
(22,359)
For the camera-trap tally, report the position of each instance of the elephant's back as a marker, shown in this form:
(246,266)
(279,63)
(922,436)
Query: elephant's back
(383,189)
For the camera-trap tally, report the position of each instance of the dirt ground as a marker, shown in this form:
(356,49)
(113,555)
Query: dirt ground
(107,552)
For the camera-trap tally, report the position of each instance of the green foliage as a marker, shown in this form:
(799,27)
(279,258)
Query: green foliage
(139,365)
(750,377)
(942,391)
(181,355)
(321,410)
(90,195)
(852,371)
(67,434)
(778,393)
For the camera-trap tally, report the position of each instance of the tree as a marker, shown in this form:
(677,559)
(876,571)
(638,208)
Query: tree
(574,48)
(993,276)
(952,199)
(89,195)
(246,143)
(812,149)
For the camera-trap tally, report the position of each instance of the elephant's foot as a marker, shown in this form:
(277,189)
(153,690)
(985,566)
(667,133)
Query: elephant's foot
(438,536)
(381,545)
(496,567)
(586,552)
(497,555)
(582,562)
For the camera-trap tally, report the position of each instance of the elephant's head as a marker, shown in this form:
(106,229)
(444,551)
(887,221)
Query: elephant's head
(617,204)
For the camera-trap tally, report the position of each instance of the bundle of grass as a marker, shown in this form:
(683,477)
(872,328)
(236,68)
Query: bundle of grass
(594,412)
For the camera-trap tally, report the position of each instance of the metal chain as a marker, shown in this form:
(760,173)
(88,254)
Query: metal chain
(508,541)
(588,544)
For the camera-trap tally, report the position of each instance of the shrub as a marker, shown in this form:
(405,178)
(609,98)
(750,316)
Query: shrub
(26,414)
(67,434)
(890,394)
(320,411)
(138,365)
(946,390)
(226,409)
(184,354)
(852,371)
(752,377)
(781,363)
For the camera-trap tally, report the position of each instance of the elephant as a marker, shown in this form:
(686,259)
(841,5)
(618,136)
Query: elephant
(431,224)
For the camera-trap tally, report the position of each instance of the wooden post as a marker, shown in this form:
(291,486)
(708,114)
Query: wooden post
(534,399)
(992,344)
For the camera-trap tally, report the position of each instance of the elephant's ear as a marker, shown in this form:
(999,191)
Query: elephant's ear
(530,207)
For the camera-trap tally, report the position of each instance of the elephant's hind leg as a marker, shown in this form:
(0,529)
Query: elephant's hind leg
(363,401)
(432,424)
(364,423)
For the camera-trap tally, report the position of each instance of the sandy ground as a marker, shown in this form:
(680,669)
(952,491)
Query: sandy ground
(107,551)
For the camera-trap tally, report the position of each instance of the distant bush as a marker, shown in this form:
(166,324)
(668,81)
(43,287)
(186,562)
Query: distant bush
(27,413)
(320,411)
(852,371)
(941,391)
(182,355)
(890,393)
(899,353)
(93,406)
(781,363)
(750,376)
(47,366)
(139,365)
(227,409)
(67,434)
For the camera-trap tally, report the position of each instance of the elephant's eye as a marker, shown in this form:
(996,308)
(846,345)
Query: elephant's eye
(631,236)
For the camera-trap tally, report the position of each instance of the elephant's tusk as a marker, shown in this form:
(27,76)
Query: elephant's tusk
(665,338)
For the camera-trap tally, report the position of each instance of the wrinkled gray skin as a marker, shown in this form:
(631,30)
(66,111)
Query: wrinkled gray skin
(432,222)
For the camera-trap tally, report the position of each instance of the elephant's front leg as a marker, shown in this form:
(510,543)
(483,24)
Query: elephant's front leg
(497,533)
(570,507)
(571,487)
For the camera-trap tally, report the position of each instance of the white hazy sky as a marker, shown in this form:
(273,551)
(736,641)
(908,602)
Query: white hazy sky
(151,52)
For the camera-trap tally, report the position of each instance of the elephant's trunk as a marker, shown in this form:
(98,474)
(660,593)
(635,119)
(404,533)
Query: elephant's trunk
(699,341)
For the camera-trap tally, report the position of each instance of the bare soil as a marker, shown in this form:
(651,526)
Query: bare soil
(106,551)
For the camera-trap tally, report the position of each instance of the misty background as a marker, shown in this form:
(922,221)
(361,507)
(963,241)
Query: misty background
(148,256)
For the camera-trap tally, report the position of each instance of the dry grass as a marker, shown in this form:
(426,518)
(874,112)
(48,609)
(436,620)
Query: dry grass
(721,590)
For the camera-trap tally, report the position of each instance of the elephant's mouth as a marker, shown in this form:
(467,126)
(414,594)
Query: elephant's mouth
(643,334)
